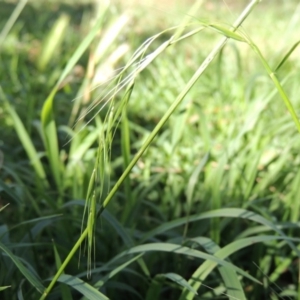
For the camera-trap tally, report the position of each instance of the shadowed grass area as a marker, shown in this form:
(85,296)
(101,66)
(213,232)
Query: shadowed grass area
(149,153)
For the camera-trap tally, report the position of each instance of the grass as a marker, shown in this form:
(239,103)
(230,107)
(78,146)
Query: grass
(174,177)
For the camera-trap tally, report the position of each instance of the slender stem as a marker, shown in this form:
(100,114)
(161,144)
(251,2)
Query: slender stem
(275,80)
(65,263)
(176,103)
(153,134)
(11,21)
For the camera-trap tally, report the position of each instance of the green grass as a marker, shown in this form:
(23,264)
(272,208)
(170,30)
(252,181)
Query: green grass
(176,176)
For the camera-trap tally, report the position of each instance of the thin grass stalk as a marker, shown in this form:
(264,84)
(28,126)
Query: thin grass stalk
(65,263)
(278,85)
(125,141)
(298,279)
(153,134)
(50,138)
(290,108)
(11,21)
(65,290)
(175,104)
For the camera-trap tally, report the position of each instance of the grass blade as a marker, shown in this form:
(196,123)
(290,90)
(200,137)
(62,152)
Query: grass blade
(11,21)
(277,83)
(115,271)
(205,269)
(155,288)
(48,122)
(230,278)
(26,141)
(155,131)
(225,212)
(65,292)
(174,248)
(82,287)
(287,56)
(53,41)
(31,277)
(180,281)
(177,102)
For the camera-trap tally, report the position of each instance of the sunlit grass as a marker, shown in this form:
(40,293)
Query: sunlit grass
(171,160)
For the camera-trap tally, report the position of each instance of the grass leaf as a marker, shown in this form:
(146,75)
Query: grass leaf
(206,268)
(47,117)
(180,281)
(65,292)
(173,248)
(287,56)
(11,21)
(25,141)
(31,277)
(82,287)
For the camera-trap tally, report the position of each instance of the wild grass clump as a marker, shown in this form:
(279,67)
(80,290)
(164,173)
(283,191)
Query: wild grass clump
(173,173)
